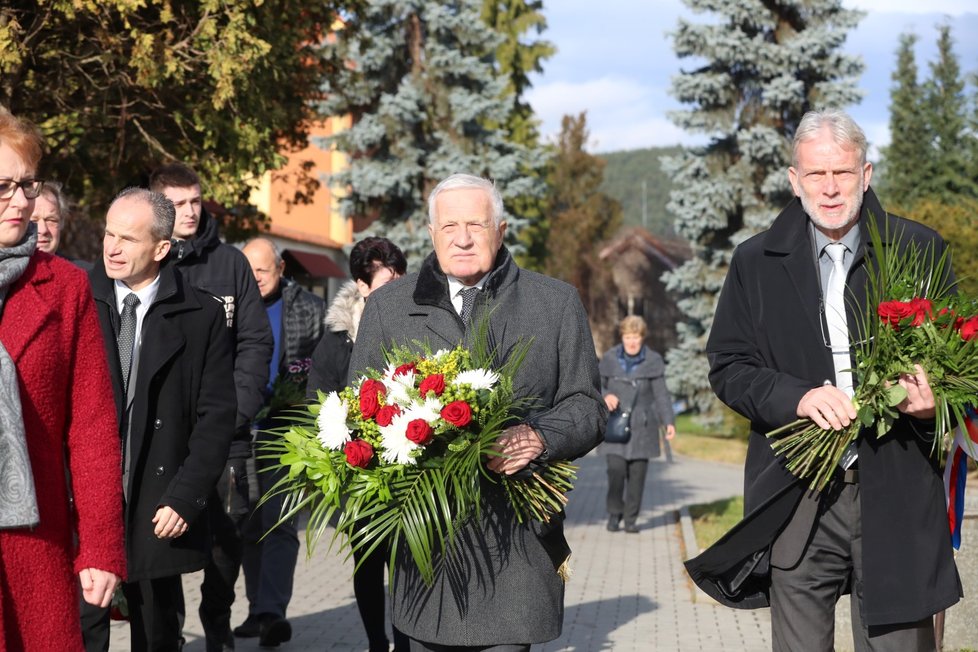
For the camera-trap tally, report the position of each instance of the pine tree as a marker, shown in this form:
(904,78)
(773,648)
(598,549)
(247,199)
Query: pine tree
(908,159)
(581,216)
(516,58)
(418,78)
(946,107)
(766,64)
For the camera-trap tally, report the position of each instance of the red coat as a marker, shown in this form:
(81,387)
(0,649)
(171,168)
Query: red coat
(50,329)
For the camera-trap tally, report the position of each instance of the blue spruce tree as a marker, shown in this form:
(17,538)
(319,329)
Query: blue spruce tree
(419,79)
(756,67)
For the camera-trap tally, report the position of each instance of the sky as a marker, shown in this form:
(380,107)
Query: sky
(616,63)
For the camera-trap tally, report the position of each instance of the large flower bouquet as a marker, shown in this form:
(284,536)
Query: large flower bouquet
(913,317)
(400,454)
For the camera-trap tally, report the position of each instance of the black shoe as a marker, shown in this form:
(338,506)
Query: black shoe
(274,630)
(250,628)
(631,528)
(613,523)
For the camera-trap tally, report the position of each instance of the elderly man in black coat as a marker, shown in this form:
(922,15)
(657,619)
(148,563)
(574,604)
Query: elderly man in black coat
(170,358)
(499,588)
(878,530)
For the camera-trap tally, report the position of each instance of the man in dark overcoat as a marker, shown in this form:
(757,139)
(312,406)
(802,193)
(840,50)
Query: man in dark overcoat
(176,411)
(878,530)
(499,588)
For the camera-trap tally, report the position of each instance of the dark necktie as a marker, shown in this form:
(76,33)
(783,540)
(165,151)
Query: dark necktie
(127,336)
(468,301)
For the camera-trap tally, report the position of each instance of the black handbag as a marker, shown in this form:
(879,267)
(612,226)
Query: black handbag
(619,428)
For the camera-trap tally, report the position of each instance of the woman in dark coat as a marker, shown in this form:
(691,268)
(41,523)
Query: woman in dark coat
(373,262)
(633,375)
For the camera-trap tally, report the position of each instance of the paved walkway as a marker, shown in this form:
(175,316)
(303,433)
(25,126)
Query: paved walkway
(628,592)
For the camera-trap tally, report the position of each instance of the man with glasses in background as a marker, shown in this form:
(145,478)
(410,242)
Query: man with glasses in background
(780,349)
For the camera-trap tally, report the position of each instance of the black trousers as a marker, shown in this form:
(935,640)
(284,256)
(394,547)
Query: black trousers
(269,562)
(368,587)
(155,617)
(803,597)
(626,482)
(226,512)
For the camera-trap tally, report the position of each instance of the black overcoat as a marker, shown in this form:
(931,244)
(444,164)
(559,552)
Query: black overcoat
(766,351)
(182,418)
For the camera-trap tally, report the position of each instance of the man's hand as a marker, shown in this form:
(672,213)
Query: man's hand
(670,431)
(828,406)
(920,399)
(518,446)
(169,524)
(98,586)
(611,401)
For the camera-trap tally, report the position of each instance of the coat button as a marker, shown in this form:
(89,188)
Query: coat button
(158,424)
(201,502)
(160,470)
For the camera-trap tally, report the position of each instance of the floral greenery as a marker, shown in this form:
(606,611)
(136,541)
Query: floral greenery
(400,454)
(913,316)
(288,389)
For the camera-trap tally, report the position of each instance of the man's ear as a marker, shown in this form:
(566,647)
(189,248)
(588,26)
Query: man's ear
(867,175)
(793,180)
(162,249)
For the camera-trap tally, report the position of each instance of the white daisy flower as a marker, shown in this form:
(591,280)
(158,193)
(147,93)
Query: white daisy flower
(333,412)
(397,447)
(477,378)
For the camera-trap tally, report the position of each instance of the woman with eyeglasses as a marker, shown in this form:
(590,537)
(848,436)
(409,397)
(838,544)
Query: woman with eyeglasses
(56,415)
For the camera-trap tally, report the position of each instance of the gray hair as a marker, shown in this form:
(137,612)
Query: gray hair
(461,181)
(275,250)
(56,192)
(845,131)
(164,214)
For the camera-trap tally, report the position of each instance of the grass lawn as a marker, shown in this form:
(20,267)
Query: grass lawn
(712,520)
(694,440)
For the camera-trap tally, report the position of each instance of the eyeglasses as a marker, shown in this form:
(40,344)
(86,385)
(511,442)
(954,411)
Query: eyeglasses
(824,326)
(31,187)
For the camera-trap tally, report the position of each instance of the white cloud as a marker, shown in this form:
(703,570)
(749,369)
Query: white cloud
(621,113)
(950,7)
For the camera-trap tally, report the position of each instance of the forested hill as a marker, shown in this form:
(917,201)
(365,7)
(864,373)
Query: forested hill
(623,177)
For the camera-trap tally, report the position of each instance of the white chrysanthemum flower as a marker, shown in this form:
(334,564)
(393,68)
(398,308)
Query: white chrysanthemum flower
(397,388)
(333,413)
(477,378)
(397,447)
(430,410)
(439,353)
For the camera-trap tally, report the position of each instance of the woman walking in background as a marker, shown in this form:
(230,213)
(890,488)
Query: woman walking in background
(373,263)
(633,379)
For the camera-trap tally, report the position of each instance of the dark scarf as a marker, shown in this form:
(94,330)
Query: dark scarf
(18,502)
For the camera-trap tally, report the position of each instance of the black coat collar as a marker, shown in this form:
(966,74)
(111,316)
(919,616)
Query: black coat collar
(432,286)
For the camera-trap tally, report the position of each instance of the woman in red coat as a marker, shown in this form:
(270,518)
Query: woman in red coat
(56,414)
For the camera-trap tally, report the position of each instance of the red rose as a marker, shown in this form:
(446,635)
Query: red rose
(433,383)
(370,393)
(922,309)
(457,413)
(358,453)
(969,329)
(405,369)
(386,414)
(892,312)
(420,432)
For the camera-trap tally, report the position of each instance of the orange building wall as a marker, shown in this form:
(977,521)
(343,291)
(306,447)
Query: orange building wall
(319,221)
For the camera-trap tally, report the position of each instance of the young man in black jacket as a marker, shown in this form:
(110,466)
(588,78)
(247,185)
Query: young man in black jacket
(222,272)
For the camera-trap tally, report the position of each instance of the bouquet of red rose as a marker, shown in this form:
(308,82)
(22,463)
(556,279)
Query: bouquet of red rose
(288,388)
(399,454)
(913,317)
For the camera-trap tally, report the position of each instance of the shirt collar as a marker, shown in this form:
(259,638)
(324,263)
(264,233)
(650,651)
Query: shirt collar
(146,295)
